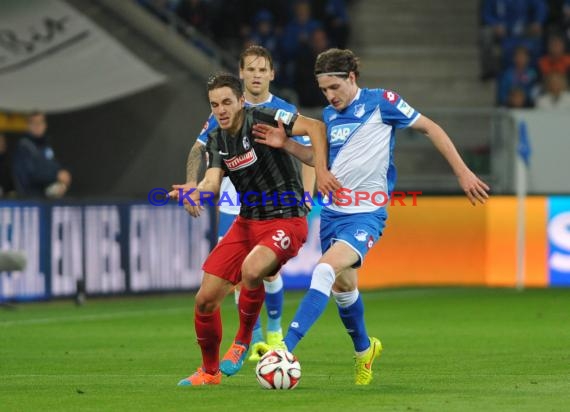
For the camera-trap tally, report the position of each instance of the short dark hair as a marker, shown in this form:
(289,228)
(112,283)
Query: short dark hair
(223,79)
(258,51)
(337,61)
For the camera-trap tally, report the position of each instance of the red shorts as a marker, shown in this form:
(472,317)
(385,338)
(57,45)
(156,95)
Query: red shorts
(283,236)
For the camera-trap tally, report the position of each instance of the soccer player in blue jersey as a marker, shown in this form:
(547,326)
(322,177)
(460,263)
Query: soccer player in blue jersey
(256,71)
(361,125)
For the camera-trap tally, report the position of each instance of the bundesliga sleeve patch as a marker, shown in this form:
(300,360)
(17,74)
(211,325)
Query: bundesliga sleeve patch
(284,116)
(405,108)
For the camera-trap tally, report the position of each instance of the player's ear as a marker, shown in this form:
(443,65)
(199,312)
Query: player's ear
(272,75)
(352,77)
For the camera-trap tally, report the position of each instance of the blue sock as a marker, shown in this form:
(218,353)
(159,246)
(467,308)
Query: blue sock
(353,319)
(311,308)
(257,332)
(274,306)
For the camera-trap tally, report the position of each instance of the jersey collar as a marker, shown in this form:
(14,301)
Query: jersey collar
(356,96)
(259,104)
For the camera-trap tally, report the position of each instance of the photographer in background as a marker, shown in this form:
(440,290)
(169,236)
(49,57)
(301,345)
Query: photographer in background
(36,171)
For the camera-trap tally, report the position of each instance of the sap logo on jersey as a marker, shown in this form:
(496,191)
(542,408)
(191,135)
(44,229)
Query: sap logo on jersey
(340,133)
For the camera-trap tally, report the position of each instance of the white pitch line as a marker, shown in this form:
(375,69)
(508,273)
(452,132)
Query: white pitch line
(95,317)
(82,318)
(149,375)
(379,295)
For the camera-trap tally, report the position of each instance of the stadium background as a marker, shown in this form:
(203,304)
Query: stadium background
(125,106)
(122,144)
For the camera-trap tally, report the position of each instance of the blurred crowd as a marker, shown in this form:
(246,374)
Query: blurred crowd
(28,165)
(294,31)
(524,48)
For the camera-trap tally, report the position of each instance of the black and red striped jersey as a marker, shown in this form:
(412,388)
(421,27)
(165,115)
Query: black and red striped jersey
(268,180)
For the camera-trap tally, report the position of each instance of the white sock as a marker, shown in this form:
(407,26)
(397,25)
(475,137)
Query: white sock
(323,278)
(274,286)
(345,299)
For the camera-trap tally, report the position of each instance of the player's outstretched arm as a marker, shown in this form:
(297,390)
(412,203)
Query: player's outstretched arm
(475,189)
(191,195)
(195,162)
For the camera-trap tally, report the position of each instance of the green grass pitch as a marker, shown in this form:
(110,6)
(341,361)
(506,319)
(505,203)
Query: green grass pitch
(445,349)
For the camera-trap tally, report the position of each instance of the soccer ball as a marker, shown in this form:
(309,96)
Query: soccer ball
(278,369)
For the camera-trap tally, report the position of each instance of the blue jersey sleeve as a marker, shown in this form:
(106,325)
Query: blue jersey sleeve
(210,125)
(395,111)
(304,140)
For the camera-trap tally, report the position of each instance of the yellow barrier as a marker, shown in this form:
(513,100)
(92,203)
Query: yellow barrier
(446,241)
(13,123)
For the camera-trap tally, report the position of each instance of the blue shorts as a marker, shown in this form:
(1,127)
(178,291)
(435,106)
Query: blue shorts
(224,223)
(358,230)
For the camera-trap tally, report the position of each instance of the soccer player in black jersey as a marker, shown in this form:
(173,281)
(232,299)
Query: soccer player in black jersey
(271,226)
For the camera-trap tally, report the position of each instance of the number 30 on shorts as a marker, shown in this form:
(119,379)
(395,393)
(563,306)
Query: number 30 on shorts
(281,240)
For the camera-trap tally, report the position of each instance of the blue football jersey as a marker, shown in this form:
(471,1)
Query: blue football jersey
(361,142)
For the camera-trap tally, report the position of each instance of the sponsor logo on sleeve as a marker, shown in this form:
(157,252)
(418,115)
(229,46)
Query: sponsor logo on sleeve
(391,96)
(283,115)
(405,108)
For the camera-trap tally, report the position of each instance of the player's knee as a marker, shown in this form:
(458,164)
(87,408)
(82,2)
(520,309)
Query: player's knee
(250,278)
(343,284)
(323,278)
(251,275)
(205,303)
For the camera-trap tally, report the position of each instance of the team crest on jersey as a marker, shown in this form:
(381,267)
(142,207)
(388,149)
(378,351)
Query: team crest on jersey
(284,116)
(370,241)
(340,133)
(359,110)
(241,161)
(246,144)
(391,96)
(361,235)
